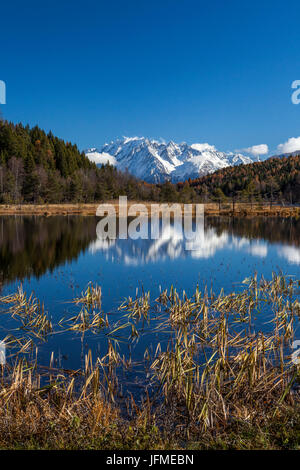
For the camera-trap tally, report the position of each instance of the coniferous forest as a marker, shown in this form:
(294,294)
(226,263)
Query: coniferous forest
(274,179)
(36,167)
(39,168)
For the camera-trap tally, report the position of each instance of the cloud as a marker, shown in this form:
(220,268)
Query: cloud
(202,147)
(292,145)
(256,150)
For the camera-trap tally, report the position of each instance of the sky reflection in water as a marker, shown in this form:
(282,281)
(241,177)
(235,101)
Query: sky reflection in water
(56,257)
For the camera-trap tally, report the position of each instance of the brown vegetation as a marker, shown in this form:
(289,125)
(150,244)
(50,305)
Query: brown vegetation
(238,209)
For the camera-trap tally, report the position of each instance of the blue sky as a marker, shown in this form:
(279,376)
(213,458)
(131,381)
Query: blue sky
(195,71)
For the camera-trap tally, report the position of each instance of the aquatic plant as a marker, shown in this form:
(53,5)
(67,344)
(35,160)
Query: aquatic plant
(217,370)
(91,298)
(29,311)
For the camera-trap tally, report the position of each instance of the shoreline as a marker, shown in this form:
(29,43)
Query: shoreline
(210,209)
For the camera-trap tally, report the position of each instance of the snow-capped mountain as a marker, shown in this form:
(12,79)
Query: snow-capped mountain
(157,162)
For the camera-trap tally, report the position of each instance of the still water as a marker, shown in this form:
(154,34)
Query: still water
(57,257)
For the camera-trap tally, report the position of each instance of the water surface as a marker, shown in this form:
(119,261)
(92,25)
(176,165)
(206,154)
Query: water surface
(56,258)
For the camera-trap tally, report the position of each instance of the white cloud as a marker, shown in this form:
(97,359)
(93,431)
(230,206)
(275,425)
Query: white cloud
(202,147)
(256,150)
(291,145)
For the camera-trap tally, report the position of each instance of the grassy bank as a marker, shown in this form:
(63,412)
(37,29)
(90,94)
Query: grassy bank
(218,382)
(238,209)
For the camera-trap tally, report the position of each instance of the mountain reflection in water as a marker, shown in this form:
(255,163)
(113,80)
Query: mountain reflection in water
(33,245)
(251,236)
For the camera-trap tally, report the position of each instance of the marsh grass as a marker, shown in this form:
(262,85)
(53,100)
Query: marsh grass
(137,308)
(218,382)
(90,316)
(91,298)
(30,312)
(85,320)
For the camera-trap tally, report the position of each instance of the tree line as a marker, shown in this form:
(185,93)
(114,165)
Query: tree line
(275,179)
(38,167)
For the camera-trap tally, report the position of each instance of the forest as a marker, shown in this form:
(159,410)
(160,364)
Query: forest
(275,179)
(39,168)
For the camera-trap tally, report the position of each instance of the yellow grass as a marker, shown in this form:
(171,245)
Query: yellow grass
(240,209)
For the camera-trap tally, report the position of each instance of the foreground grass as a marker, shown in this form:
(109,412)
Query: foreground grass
(38,425)
(277,436)
(217,384)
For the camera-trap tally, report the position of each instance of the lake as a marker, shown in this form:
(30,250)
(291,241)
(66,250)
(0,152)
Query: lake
(56,257)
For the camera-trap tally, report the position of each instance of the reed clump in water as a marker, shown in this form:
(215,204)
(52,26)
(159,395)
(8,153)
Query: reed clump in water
(224,378)
(29,311)
(90,316)
(91,298)
(85,320)
(137,308)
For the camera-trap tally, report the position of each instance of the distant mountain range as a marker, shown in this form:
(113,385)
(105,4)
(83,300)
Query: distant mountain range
(156,162)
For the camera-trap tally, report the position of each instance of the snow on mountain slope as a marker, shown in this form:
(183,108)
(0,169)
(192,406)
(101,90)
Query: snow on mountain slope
(101,158)
(157,162)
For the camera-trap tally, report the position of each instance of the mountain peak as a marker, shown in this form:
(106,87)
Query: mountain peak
(131,139)
(156,162)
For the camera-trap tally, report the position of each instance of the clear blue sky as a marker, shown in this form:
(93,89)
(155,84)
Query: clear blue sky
(188,70)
